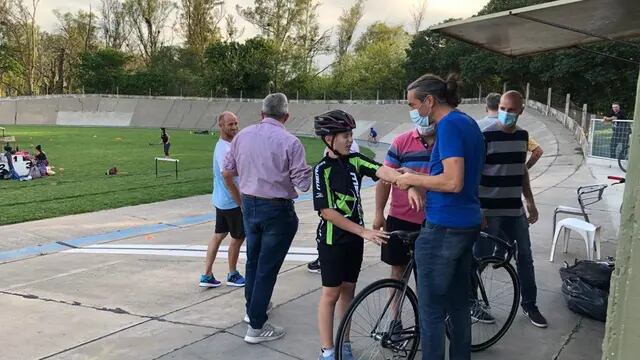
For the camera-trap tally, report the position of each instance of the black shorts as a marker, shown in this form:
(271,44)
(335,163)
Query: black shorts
(230,221)
(397,253)
(340,263)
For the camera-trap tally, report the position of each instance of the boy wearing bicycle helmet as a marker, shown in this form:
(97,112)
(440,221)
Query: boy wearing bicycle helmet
(336,197)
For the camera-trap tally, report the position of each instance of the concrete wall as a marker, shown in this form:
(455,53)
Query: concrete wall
(195,113)
(7,112)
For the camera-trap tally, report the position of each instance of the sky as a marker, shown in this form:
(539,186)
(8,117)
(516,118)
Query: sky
(393,12)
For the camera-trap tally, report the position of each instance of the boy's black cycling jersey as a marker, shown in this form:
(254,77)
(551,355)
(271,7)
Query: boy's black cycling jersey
(336,185)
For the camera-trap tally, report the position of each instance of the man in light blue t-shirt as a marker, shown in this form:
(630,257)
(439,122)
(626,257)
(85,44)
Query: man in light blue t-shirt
(225,199)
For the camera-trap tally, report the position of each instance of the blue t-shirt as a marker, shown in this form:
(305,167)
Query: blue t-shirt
(221,196)
(457,135)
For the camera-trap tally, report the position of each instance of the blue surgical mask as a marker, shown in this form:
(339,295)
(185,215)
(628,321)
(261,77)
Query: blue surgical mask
(418,119)
(426,130)
(507,118)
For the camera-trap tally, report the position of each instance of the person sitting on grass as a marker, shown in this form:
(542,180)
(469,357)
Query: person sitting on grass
(41,160)
(336,197)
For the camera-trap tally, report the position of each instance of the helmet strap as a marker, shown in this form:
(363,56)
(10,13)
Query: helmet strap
(330,146)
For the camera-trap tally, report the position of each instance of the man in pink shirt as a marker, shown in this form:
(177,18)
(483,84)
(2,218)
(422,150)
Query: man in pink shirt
(410,150)
(270,163)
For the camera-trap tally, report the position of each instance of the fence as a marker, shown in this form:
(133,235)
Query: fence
(598,139)
(607,139)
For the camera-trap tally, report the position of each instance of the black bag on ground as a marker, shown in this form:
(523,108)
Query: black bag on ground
(585,299)
(594,273)
(585,286)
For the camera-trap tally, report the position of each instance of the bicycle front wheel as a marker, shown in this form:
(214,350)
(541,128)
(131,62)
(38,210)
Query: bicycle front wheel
(496,304)
(381,323)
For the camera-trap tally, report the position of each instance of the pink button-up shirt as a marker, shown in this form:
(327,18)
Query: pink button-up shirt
(269,161)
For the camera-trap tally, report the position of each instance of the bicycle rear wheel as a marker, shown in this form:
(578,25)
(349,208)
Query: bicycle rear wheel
(498,298)
(381,323)
(623,158)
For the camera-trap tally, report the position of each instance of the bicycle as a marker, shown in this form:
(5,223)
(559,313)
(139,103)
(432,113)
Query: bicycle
(623,158)
(372,141)
(383,322)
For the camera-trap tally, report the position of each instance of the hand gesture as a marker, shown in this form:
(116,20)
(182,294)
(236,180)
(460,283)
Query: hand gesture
(376,236)
(404,181)
(533,213)
(416,198)
(406,170)
(379,222)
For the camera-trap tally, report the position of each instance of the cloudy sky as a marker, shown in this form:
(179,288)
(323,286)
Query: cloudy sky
(393,12)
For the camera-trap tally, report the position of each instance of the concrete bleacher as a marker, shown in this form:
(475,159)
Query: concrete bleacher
(196,113)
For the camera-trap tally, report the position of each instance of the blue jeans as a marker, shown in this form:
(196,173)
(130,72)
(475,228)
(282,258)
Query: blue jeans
(514,229)
(270,226)
(443,258)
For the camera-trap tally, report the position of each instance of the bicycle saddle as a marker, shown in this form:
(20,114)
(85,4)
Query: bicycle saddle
(407,237)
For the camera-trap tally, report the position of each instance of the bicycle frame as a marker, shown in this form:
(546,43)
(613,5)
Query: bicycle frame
(386,338)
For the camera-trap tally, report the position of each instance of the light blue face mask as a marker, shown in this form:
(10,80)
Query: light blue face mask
(507,119)
(426,130)
(416,118)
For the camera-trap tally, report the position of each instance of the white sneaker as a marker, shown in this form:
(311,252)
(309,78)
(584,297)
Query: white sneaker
(246,316)
(267,333)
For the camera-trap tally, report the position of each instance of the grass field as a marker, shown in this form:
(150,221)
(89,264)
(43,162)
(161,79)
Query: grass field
(81,156)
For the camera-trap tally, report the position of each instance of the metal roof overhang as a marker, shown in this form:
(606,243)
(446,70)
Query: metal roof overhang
(551,26)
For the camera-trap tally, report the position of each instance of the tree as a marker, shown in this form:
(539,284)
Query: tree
(347,23)
(102,71)
(231,31)
(233,67)
(417,15)
(148,19)
(22,36)
(376,68)
(293,29)
(309,41)
(381,32)
(199,20)
(78,33)
(113,24)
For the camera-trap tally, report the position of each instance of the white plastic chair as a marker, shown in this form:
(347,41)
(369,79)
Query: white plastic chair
(589,232)
(587,196)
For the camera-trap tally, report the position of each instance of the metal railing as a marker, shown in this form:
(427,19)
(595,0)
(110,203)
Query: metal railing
(606,138)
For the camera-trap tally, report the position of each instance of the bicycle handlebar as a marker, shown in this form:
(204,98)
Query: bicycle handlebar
(409,238)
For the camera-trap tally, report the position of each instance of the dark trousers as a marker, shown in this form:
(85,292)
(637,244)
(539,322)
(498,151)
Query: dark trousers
(513,229)
(443,257)
(270,226)
(618,138)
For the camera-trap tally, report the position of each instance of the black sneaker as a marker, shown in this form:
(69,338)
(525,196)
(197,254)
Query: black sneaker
(314,266)
(536,318)
(481,315)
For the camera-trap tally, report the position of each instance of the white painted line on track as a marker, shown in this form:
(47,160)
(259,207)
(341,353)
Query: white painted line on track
(296,254)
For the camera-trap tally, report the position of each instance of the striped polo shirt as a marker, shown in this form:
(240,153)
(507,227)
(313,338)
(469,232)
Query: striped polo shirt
(407,150)
(503,172)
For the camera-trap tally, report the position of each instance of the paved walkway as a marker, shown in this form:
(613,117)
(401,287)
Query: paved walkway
(122,284)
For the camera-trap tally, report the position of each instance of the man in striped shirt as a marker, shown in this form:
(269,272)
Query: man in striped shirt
(410,150)
(504,181)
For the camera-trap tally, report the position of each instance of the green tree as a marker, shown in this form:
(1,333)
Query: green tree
(347,23)
(77,35)
(148,18)
(102,71)
(232,67)
(113,24)
(377,66)
(199,20)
